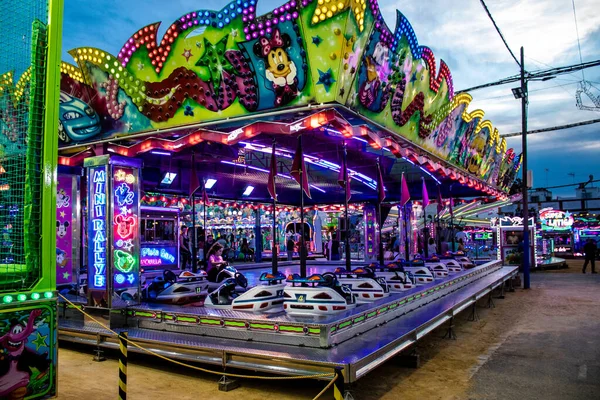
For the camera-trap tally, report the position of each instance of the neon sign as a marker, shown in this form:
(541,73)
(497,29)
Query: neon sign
(97,227)
(64,230)
(556,220)
(125,224)
(157,256)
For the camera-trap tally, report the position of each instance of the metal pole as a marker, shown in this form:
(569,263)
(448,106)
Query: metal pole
(380,221)
(205,227)
(425,235)
(303,250)
(524,101)
(347,223)
(275,239)
(453,238)
(406,249)
(194,235)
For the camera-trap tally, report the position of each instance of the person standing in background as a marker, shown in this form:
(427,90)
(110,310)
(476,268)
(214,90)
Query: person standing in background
(184,247)
(590,249)
(431,248)
(290,248)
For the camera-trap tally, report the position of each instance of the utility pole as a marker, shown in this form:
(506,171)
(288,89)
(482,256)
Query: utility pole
(524,101)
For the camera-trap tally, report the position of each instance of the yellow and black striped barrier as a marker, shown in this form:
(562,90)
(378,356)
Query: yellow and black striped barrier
(338,385)
(123,366)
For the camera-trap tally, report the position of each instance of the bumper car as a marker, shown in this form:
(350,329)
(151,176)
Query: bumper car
(227,272)
(421,273)
(317,295)
(463,260)
(188,287)
(363,283)
(451,264)
(395,277)
(233,293)
(438,268)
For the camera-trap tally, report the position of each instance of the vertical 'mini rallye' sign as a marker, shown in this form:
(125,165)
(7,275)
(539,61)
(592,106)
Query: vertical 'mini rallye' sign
(97,234)
(113,228)
(125,210)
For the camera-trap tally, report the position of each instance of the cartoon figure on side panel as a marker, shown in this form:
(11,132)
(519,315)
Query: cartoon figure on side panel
(18,361)
(280,69)
(61,228)
(62,200)
(61,258)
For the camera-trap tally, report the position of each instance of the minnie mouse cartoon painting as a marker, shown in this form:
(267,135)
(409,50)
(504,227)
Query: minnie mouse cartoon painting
(280,69)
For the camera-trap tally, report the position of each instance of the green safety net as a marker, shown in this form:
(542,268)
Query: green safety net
(23,42)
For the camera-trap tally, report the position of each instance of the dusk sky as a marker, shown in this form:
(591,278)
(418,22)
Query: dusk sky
(460,33)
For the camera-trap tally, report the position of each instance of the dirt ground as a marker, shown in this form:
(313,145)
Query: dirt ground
(494,357)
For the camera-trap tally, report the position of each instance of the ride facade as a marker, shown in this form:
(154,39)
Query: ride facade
(318,99)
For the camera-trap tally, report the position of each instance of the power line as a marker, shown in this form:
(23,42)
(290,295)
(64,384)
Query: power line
(531,91)
(538,75)
(554,128)
(499,33)
(578,43)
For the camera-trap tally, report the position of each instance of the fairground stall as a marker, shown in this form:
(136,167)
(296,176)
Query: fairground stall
(555,233)
(276,117)
(586,226)
(30,35)
(509,236)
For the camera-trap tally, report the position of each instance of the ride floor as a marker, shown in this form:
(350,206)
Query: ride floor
(356,340)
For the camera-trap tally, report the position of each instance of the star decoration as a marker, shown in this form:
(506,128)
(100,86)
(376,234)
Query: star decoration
(326,11)
(140,66)
(413,78)
(128,126)
(342,91)
(215,61)
(187,53)
(317,40)
(66,275)
(326,79)
(125,210)
(120,176)
(128,244)
(40,341)
(62,214)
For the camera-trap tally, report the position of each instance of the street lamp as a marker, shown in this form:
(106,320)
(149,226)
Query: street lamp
(518,93)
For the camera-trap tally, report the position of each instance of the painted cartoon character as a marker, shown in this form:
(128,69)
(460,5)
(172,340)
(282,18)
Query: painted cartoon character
(368,90)
(62,200)
(443,132)
(61,258)
(280,68)
(17,361)
(478,143)
(61,228)
(381,54)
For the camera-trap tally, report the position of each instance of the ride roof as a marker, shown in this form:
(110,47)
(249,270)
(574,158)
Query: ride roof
(223,84)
